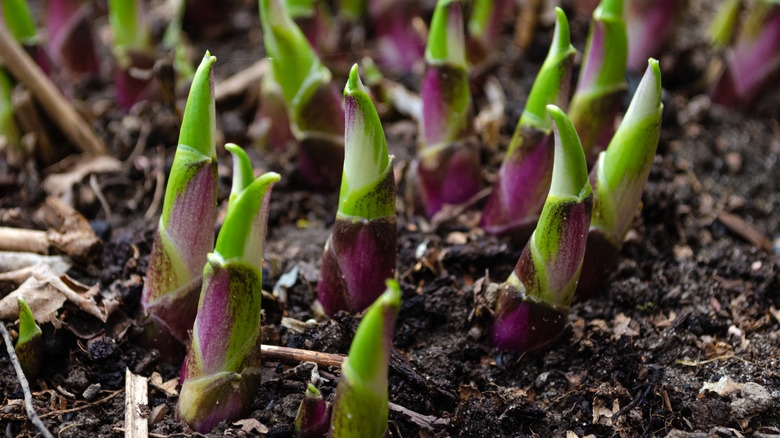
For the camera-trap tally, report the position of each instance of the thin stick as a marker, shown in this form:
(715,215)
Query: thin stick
(28,403)
(51,99)
(294,355)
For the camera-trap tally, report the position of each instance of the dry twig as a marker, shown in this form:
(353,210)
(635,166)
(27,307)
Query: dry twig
(294,355)
(28,400)
(52,101)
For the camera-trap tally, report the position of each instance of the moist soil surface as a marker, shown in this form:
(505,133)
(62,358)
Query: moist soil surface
(682,340)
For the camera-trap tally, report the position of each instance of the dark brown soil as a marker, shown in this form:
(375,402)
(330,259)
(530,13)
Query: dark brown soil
(690,302)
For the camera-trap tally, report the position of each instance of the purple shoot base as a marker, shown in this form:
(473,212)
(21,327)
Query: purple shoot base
(521,189)
(600,257)
(134,84)
(446,175)
(523,324)
(367,252)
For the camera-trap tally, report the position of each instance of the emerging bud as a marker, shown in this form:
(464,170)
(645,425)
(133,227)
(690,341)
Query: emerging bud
(447,168)
(534,301)
(524,178)
(601,84)
(313,417)
(222,369)
(484,26)
(721,29)
(361,252)
(29,346)
(314,106)
(70,38)
(186,231)
(753,64)
(133,50)
(361,405)
(9,130)
(399,43)
(649,24)
(619,176)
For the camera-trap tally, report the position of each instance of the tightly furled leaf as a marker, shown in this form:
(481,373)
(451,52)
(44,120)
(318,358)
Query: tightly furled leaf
(649,23)
(186,231)
(400,45)
(524,178)
(484,26)
(222,368)
(619,177)
(534,301)
(70,37)
(447,168)
(753,64)
(313,104)
(361,252)
(360,408)
(133,50)
(601,84)
(29,346)
(313,417)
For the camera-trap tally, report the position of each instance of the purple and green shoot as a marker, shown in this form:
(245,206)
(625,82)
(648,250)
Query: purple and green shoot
(619,177)
(185,234)
(353,10)
(361,251)
(484,27)
(71,44)
(313,417)
(271,128)
(649,23)
(133,50)
(400,45)
(534,301)
(29,346)
(360,408)
(753,63)
(313,104)
(524,178)
(601,83)
(447,169)
(222,370)
(9,130)
(721,30)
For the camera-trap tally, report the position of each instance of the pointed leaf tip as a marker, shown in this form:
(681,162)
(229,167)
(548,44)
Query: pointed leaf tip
(570,170)
(647,98)
(243,175)
(392,296)
(353,82)
(562,37)
(446,37)
(609,8)
(312,391)
(27,326)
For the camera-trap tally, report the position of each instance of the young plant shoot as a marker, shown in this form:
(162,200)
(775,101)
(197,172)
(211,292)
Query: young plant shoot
(524,178)
(601,84)
(361,252)
(361,405)
(29,346)
(400,44)
(753,63)
(133,50)
(534,301)
(649,24)
(447,168)
(19,21)
(721,29)
(222,370)
(484,27)
(619,177)
(9,130)
(313,104)
(185,234)
(70,38)
(313,417)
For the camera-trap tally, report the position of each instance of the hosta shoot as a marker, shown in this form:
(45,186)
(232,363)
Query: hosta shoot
(619,177)
(524,178)
(360,408)
(447,168)
(533,302)
(71,44)
(313,417)
(185,234)
(601,84)
(133,50)
(313,104)
(361,252)
(222,370)
(29,346)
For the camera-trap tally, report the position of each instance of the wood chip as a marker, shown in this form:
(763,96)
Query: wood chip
(251,425)
(136,423)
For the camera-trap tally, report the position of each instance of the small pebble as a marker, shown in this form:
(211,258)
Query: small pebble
(91,392)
